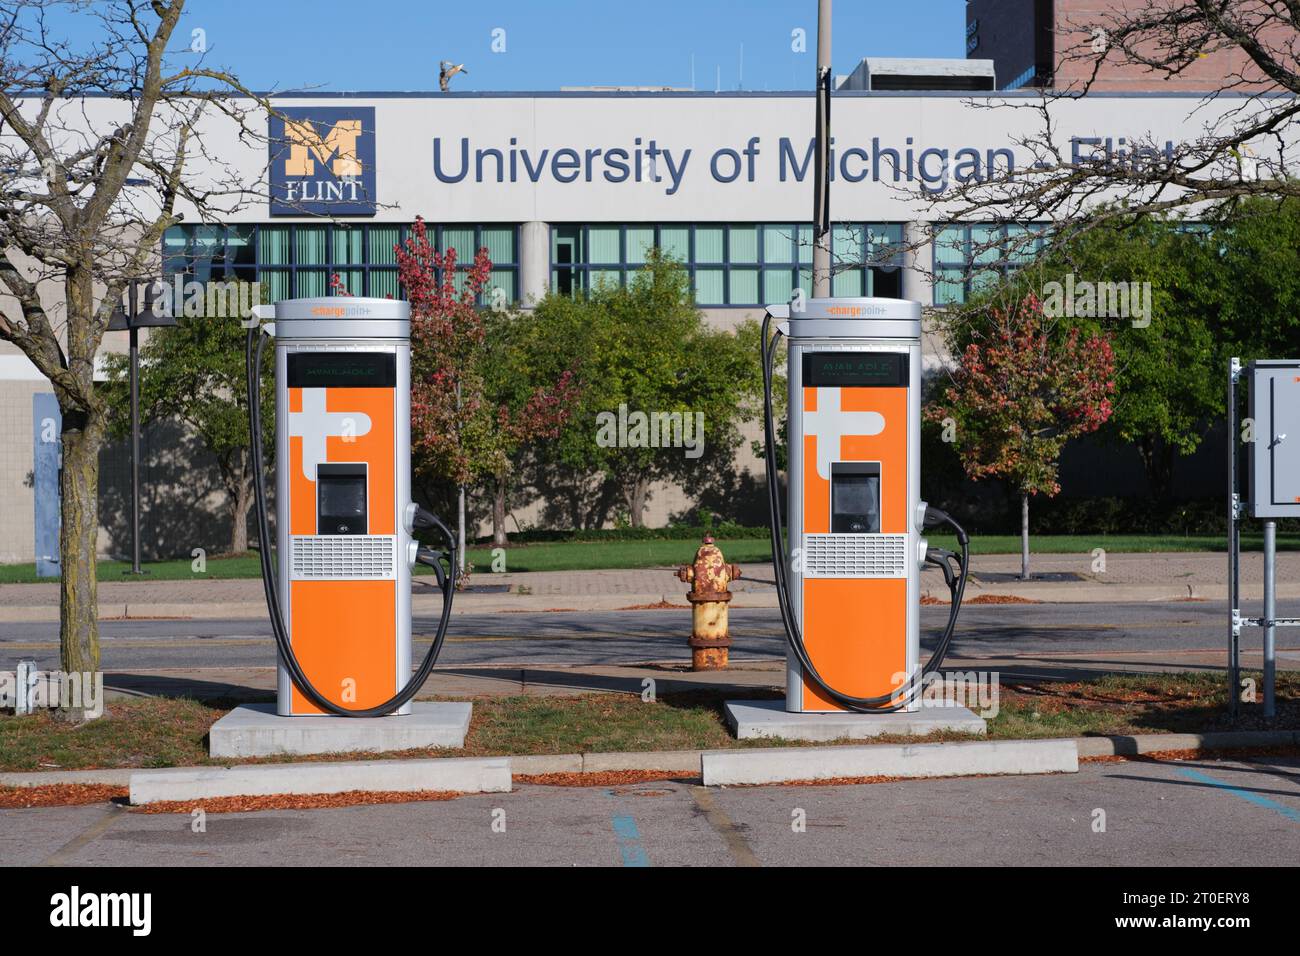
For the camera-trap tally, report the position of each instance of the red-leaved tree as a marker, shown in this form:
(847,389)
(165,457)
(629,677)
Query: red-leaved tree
(1018,394)
(447,333)
(473,407)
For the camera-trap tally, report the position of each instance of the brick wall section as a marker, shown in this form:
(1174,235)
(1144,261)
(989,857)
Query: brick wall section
(1075,20)
(1015,34)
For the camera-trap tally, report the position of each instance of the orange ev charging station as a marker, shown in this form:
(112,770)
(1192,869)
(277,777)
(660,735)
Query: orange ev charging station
(340,600)
(847,541)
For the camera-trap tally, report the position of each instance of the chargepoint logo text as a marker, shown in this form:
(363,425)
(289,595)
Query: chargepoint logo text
(75,908)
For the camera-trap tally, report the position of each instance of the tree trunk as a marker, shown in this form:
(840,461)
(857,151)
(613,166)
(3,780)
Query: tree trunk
(1158,463)
(1024,537)
(82,435)
(500,485)
(636,502)
(240,501)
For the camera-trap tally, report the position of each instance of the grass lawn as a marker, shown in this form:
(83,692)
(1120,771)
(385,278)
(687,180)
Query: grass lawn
(242,566)
(594,555)
(591,555)
(161,732)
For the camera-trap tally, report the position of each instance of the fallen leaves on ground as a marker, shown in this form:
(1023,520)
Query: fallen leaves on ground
(295,801)
(59,795)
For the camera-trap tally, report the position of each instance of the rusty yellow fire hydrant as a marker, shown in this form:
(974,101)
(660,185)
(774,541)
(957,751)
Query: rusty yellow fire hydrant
(710,577)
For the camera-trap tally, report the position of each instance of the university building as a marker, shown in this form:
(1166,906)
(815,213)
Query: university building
(568,189)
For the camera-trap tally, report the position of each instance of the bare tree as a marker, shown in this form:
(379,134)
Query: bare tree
(1246,143)
(83,207)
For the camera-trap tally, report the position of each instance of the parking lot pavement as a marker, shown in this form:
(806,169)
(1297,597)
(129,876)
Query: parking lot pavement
(1190,813)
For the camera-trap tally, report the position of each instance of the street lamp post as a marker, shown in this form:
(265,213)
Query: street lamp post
(821,272)
(138,313)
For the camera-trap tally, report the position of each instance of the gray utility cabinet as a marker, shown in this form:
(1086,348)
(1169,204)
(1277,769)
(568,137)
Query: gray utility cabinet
(1275,453)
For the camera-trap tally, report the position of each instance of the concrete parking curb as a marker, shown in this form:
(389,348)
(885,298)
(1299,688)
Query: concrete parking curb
(683,761)
(453,774)
(1150,743)
(47,778)
(680,761)
(533,765)
(782,765)
(669,761)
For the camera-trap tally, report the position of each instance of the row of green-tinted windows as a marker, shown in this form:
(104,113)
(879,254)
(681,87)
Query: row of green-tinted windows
(297,260)
(968,258)
(737,264)
(734,264)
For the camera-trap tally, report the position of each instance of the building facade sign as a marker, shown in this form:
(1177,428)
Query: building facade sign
(322,161)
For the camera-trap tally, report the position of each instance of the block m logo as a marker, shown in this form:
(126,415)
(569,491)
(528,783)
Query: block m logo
(306,142)
(322,161)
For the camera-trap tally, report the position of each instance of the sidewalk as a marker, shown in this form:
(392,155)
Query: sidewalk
(1056,578)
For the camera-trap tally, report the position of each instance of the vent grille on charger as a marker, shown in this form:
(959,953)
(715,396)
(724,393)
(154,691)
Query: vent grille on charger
(341,556)
(855,555)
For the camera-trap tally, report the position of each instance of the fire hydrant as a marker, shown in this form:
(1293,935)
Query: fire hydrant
(709,577)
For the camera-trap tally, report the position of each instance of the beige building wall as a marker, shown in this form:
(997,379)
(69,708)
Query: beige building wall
(17,517)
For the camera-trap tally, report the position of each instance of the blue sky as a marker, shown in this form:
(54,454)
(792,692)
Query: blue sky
(396,44)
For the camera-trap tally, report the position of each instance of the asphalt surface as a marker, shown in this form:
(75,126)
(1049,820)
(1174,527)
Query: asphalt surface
(618,637)
(1154,814)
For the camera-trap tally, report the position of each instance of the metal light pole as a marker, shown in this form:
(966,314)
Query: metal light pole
(460,509)
(1270,618)
(138,314)
(135,431)
(821,174)
(1234,546)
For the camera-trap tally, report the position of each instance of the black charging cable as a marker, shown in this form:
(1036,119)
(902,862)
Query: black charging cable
(955,577)
(284,647)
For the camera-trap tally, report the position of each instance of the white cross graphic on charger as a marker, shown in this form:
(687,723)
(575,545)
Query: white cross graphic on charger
(314,425)
(830,424)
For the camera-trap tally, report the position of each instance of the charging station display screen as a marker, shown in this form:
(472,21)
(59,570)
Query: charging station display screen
(855,369)
(341,369)
(855,498)
(341,498)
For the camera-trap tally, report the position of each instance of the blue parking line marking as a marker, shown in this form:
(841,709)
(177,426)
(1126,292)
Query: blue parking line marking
(1291,814)
(626,829)
(629,838)
(630,841)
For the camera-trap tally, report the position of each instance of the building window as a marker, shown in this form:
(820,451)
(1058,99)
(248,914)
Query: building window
(731,264)
(968,258)
(296,260)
